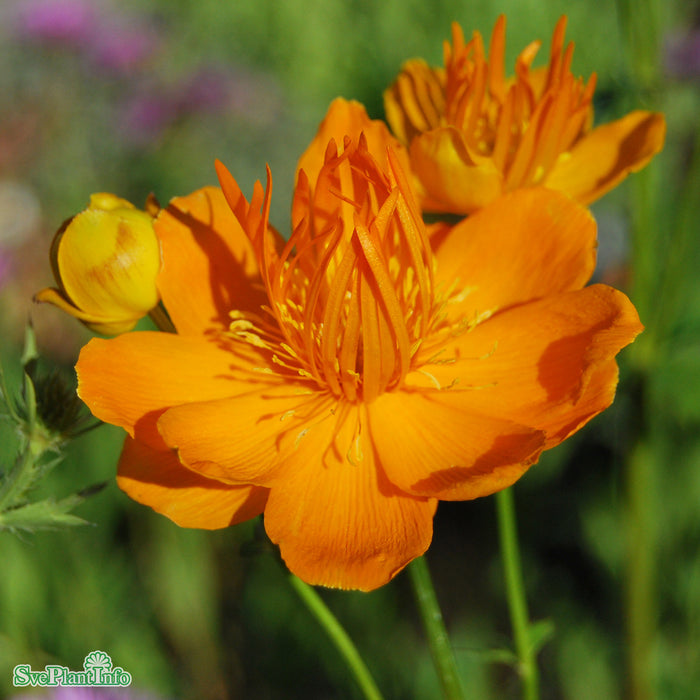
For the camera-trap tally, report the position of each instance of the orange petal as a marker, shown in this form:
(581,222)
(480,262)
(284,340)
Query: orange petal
(209,267)
(548,364)
(528,244)
(156,479)
(341,523)
(438,443)
(130,380)
(453,180)
(603,158)
(349,118)
(248,438)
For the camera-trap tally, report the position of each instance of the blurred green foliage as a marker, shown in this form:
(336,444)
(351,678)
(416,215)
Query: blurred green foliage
(194,614)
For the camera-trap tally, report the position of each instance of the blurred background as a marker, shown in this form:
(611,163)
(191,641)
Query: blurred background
(133,97)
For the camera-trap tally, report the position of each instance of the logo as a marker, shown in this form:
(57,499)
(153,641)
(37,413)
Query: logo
(97,671)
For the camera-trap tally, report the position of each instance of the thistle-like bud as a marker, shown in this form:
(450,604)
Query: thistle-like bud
(105,261)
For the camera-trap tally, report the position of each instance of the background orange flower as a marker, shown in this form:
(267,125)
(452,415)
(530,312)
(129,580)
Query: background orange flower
(475,134)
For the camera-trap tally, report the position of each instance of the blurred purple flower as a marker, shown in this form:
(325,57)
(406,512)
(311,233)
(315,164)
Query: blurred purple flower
(207,90)
(214,89)
(70,21)
(121,45)
(682,54)
(81,693)
(152,108)
(110,39)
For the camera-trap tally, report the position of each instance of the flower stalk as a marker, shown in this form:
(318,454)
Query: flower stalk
(515,590)
(438,641)
(338,636)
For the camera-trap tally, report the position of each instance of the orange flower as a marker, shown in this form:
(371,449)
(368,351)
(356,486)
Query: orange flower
(345,381)
(473,134)
(105,261)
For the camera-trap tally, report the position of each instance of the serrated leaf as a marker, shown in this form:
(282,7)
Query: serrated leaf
(48,514)
(25,474)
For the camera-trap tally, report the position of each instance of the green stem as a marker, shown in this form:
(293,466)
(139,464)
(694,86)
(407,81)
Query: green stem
(339,637)
(515,590)
(659,257)
(641,575)
(438,641)
(15,484)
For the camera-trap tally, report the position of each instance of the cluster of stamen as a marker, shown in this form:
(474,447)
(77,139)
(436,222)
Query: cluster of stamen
(522,124)
(352,297)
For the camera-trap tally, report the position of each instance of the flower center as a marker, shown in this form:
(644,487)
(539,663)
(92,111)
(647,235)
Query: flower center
(352,291)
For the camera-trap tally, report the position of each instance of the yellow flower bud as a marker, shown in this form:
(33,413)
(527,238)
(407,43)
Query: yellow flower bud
(105,261)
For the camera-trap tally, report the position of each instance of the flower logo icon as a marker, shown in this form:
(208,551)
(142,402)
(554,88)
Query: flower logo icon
(98,659)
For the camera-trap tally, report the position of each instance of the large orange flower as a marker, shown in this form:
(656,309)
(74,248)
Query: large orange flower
(346,380)
(475,134)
